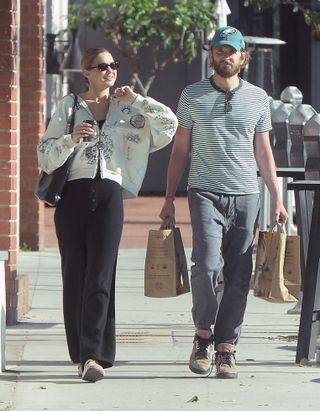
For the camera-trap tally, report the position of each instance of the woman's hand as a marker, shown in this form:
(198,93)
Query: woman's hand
(125,93)
(80,131)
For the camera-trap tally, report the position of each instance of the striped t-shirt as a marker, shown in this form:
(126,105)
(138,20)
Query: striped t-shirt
(222,152)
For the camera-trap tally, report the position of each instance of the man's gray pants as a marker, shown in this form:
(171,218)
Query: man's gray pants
(223,229)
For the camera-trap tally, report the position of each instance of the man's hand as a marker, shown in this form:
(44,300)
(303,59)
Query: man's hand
(280,213)
(168,210)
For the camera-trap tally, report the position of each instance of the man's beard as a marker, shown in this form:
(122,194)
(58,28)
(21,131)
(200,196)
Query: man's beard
(226,70)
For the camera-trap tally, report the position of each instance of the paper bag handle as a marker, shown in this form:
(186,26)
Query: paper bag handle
(280,227)
(167,223)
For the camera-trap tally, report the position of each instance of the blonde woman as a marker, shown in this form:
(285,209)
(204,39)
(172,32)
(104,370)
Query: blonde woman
(109,162)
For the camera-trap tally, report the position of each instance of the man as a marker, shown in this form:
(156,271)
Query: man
(224,125)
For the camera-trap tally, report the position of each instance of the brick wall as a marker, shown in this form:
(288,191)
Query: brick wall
(15,285)
(17,145)
(32,119)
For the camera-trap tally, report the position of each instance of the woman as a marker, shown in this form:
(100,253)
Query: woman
(109,164)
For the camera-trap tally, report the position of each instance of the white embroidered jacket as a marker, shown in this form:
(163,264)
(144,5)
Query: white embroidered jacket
(129,133)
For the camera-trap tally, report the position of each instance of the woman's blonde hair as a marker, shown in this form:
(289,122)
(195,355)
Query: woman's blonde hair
(90,55)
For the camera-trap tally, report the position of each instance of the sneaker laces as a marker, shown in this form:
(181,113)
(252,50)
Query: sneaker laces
(226,358)
(202,345)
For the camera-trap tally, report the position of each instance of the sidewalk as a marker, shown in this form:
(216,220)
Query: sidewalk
(140,215)
(154,342)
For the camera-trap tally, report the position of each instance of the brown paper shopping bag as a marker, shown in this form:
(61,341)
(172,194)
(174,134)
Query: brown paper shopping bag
(292,267)
(269,281)
(166,271)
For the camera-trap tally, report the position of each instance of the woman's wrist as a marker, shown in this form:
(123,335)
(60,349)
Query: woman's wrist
(133,98)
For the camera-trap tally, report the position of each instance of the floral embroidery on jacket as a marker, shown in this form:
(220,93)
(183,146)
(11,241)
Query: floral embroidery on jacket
(133,138)
(105,145)
(131,131)
(107,148)
(44,147)
(150,108)
(166,122)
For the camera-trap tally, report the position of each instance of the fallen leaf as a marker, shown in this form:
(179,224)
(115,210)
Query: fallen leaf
(193,399)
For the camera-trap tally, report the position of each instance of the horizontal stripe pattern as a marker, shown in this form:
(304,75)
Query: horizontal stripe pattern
(222,154)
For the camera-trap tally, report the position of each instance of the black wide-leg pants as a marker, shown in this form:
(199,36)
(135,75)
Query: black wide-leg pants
(89,221)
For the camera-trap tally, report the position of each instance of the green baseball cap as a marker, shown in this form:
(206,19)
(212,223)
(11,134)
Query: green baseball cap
(228,36)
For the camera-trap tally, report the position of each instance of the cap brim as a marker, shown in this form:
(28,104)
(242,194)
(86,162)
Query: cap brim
(227,43)
(206,46)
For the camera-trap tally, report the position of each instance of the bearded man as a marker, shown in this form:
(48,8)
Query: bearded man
(224,125)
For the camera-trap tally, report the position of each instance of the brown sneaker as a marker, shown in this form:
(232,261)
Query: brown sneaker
(201,356)
(92,371)
(225,361)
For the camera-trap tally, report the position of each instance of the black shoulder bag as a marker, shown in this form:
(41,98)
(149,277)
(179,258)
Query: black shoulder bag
(50,186)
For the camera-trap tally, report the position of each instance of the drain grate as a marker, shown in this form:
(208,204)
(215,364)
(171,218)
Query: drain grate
(142,337)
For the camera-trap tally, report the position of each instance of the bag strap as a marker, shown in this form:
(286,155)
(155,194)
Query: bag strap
(73,114)
(279,227)
(167,223)
(71,125)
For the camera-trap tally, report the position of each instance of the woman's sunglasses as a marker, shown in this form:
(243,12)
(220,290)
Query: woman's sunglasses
(104,66)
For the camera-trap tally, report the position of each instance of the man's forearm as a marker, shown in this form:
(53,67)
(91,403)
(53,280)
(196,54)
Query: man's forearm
(269,176)
(176,168)
(266,164)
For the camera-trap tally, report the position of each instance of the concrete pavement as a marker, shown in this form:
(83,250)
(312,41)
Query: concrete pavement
(154,340)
